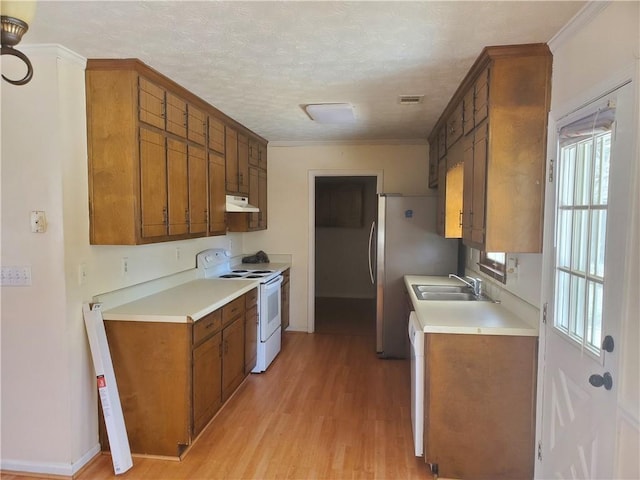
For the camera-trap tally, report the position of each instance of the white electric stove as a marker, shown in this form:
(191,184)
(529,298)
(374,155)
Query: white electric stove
(216,263)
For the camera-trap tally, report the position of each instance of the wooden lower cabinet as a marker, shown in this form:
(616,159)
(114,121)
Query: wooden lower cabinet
(173,377)
(207,378)
(251,331)
(479,408)
(284,300)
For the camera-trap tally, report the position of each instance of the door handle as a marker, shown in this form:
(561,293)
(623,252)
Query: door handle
(605,380)
(373,227)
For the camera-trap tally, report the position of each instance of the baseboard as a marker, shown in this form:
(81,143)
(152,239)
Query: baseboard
(343,295)
(57,469)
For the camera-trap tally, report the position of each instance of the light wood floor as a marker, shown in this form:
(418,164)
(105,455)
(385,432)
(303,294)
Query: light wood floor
(327,408)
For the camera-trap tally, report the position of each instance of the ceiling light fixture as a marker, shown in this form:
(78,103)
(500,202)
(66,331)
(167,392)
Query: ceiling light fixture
(335,113)
(15,16)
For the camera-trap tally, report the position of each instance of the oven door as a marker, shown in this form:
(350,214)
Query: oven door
(270,307)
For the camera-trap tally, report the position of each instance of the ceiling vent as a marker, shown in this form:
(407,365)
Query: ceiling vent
(410,99)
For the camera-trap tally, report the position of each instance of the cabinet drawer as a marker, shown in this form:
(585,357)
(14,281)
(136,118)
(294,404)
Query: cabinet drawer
(207,326)
(251,298)
(232,309)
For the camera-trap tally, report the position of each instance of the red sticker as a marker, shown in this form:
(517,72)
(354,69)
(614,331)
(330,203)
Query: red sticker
(101,381)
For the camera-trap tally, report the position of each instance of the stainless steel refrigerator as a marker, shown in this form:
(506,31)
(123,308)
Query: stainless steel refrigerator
(404,242)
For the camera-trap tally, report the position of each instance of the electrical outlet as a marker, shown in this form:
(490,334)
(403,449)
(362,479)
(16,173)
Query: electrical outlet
(178,253)
(125,266)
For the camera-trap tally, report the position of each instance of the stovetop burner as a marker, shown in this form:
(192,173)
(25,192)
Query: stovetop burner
(214,263)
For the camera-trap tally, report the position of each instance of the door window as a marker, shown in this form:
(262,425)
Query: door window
(581,223)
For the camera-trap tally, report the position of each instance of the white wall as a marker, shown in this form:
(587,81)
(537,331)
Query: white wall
(49,403)
(404,168)
(590,57)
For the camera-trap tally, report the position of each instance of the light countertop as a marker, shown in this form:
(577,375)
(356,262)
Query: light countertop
(463,317)
(189,301)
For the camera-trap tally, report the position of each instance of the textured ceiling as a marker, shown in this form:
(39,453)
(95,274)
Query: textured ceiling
(260,61)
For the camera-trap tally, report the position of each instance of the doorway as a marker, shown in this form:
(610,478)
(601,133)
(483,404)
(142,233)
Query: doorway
(343,296)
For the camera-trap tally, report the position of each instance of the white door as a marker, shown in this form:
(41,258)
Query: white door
(585,265)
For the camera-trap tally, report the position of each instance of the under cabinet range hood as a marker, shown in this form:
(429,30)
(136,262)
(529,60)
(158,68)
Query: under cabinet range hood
(236,203)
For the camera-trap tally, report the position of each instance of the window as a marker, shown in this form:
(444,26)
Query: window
(581,220)
(494,264)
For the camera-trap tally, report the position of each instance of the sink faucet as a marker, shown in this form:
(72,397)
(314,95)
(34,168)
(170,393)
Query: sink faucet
(474,283)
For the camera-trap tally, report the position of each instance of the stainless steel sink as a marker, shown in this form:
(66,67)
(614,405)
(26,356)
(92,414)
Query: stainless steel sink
(447,293)
(441,288)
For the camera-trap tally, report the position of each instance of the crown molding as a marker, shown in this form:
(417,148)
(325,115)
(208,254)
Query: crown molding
(579,20)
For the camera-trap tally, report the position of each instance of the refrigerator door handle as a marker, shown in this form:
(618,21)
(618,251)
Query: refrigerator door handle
(371,233)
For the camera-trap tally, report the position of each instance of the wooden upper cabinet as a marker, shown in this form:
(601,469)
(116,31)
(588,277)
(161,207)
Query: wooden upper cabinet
(151,103)
(148,143)
(434,160)
(176,115)
(196,125)
(178,187)
(216,135)
(243,164)
(510,87)
(217,194)
(481,97)
(454,125)
(153,184)
(198,201)
(262,156)
(254,153)
(231,158)
(257,193)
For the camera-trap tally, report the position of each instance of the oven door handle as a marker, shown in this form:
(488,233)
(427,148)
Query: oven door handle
(273,283)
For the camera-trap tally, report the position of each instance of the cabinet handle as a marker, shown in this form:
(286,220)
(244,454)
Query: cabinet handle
(206,215)
(241,179)
(209,325)
(186,215)
(185,119)
(163,110)
(226,347)
(460,218)
(165,220)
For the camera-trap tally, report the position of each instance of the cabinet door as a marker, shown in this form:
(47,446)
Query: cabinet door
(468,111)
(262,156)
(254,197)
(467,197)
(217,200)
(207,381)
(196,125)
(479,186)
(453,201)
(442,191)
(454,125)
(216,135)
(178,187)
(481,109)
(284,300)
(232,356)
(243,164)
(433,164)
(197,190)
(475,178)
(262,199)
(153,184)
(151,106)
(231,157)
(254,153)
(176,115)
(250,339)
